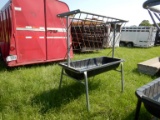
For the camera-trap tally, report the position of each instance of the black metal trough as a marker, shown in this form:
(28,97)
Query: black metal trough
(82,69)
(93,66)
(149,95)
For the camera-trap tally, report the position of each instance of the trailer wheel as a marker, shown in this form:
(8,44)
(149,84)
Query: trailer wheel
(1,59)
(122,44)
(129,45)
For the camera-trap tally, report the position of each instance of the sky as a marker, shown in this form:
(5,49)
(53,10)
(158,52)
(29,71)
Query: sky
(130,10)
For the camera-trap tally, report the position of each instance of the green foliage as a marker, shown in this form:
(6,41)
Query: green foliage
(31,92)
(157,24)
(145,23)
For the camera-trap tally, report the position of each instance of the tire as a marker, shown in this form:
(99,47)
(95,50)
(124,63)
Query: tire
(1,59)
(130,45)
(122,44)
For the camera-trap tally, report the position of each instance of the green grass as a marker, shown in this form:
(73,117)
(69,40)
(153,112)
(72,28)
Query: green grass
(31,92)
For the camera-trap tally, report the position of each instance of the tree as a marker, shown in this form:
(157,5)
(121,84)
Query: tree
(145,23)
(157,24)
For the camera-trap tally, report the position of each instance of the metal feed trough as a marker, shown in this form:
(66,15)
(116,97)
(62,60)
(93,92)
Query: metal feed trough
(95,27)
(149,94)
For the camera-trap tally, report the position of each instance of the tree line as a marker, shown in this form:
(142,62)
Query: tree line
(147,23)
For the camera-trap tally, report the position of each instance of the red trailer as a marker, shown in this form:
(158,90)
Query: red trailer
(31,32)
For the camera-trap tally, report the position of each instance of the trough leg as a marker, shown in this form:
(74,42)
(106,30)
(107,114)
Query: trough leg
(87,95)
(122,77)
(60,83)
(138,109)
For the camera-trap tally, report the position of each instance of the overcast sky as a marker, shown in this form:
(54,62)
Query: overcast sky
(130,10)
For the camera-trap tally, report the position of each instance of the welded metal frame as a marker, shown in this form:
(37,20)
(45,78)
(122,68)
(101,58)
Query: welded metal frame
(86,82)
(71,14)
(153,11)
(113,21)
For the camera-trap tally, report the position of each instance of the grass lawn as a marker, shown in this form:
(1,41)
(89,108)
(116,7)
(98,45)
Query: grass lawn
(31,92)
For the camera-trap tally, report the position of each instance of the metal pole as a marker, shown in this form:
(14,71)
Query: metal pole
(138,109)
(122,77)
(60,83)
(114,37)
(87,95)
(153,19)
(68,41)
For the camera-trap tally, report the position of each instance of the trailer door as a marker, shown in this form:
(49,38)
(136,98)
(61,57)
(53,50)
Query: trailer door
(56,32)
(30,30)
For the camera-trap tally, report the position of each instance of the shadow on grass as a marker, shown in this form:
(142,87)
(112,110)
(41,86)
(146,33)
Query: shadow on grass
(136,71)
(57,97)
(143,115)
(87,52)
(153,76)
(130,116)
(3,66)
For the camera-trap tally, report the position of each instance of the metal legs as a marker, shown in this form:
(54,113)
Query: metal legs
(122,77)
(138,109)
(86,84)
(60,83)
(86,87)
(87,95)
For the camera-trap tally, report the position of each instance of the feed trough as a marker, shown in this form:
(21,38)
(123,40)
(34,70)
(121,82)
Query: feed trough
(96,29)
(92,66)
(149,95)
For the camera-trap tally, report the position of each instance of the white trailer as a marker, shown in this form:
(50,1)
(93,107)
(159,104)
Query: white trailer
(117,39)
(108,40)
(142,36)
